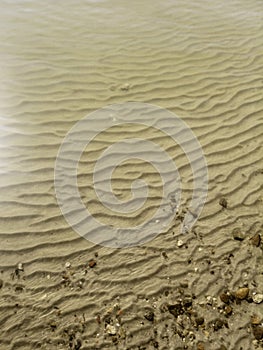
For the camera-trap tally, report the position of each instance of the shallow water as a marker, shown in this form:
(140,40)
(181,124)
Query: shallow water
(203,62)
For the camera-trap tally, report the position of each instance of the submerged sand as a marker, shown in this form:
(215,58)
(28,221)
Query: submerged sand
(202,61)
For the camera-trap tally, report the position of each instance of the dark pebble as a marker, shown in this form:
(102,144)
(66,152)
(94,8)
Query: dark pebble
(149,315)
(1,283)
(176,309)
(187,302)
(218,324)
(156,344)
(165,255)
(19,289)
(199,320)
(258,332)
(107,319)
(256,240)
(223,202)
(228,310)
(225,297)
(92,263)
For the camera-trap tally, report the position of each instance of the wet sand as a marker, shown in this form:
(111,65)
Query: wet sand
(202,61)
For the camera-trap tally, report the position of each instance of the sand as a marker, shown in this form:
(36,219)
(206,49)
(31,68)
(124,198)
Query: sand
(202,61)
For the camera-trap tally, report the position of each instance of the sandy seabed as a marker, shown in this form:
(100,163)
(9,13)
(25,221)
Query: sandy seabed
(204,62)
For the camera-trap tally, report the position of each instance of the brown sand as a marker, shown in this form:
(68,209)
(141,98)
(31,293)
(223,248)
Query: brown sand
(59,61)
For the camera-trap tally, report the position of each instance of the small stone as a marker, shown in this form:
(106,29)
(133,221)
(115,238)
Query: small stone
(156,344)
(184,284)
(176,309)
(242,293)
(53,325)
(199,320)
(92,263)
(20,267)
(110,329)
(258,332)
(255,320)
(125,87)
(228,310)
(225,298)
(180,243)
(164,254)
(1,283)
(218,324)
(209,300)
(149,315)
(223,202)
(187,302)
(200,346)
(238,235)
(67,265)
(19,289)
(257,298)
(256,240)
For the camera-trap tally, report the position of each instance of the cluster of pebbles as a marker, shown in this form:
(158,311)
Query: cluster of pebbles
(190,317)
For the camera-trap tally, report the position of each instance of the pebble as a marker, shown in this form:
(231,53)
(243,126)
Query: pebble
(149,315)
(255,320)
(218,324)
(20,267)
(111,330)
(176,309)
(257,298)
(238,235)
(92,263)
(223,202)
(228,310)
(187,302)
(125,87)
(241,293)
(184,284)
(256,240)
(1,283)
(200,346)
(165,255)
(180,243)
(199,320)
(258,332)
(67,265)
(225,298)
(209,300)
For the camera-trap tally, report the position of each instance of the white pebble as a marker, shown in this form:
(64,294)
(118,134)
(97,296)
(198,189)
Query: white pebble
(180,243)
(257,298)
(20,267)
(67,265)
(111,329)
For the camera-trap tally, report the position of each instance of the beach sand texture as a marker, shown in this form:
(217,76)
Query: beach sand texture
(59,62)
